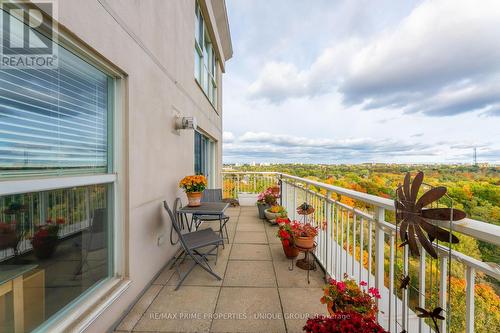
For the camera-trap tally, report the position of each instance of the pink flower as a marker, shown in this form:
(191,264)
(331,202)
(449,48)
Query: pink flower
(363,283)
(341,286)
(374,292)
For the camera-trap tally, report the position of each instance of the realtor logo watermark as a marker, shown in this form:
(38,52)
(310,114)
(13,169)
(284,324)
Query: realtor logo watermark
(29,34)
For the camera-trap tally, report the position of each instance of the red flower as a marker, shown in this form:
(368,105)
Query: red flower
(284,234)
(341,286)
(284,220)
(374,292)
(363,283)
(343,322)
(286,242)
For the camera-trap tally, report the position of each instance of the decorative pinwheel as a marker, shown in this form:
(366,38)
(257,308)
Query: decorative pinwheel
(434,315)
(411,215)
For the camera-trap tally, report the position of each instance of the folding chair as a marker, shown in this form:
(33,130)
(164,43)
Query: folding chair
(212,195)
(94,239)
(192,244)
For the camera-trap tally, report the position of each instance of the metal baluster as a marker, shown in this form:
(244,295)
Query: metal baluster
(353,256)
(470,279)
(369,253)
(405,291)
(443,286)
(421,286)
(337,250)
(379,251)
(361,246)
(341,273)
(391,283)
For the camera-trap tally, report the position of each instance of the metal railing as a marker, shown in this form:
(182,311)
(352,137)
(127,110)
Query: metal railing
(361,242)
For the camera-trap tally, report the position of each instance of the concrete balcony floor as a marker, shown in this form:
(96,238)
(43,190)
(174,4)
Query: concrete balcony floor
(258,292)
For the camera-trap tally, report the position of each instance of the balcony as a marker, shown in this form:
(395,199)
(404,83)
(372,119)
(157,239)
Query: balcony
(262,291)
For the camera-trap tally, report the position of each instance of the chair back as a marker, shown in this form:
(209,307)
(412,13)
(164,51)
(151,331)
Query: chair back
(96,237)
(212,195)
(175,222)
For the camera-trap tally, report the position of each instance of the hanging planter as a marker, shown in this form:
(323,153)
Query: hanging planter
(194,186)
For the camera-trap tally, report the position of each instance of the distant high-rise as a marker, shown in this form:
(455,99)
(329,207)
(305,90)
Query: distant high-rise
(475,156)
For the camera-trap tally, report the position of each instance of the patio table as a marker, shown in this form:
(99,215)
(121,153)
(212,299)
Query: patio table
(207,208)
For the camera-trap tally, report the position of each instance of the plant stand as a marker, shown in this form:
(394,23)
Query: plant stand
(306,263)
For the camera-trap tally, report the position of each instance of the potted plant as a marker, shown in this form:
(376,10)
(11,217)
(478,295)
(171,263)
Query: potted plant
(343,322)
(346,295)
(285,234)
(275,212)
(19,224)
(194,187)
(305,209)
(8,236)
(304,235)
(46,239)
(267,199)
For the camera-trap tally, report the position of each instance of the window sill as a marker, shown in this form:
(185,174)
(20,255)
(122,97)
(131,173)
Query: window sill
(86,312)
(206,96)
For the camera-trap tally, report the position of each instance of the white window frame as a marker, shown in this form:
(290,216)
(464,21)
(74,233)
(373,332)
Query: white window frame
(83,310)
(206,74)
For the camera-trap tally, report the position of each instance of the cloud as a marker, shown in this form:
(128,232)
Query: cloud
(265,146)
(228,137)
(440,60)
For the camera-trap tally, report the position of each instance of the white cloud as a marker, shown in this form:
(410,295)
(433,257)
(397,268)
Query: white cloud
(442,54)
(228,137)
(358,80)
(286,148)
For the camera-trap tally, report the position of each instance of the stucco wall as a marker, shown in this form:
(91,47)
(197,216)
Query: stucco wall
(152,41)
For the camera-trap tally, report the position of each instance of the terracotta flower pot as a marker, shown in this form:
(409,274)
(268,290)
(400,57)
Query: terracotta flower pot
(291,252)
(304,242)
(46,249)
(331,310)
(8,240)
(194,198)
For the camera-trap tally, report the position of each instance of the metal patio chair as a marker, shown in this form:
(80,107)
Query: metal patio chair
(212,195)
(193,244)
(93,239)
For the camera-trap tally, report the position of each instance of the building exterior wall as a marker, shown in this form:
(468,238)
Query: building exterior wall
(152,43)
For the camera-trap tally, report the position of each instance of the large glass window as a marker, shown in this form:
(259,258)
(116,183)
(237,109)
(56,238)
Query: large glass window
(204,157)
(54,121)
(55,244)
(205,61)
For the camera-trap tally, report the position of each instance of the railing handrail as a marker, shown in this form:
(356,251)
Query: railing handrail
(487,232)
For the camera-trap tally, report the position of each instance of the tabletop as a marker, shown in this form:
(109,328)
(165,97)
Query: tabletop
(10,272)
(206,208)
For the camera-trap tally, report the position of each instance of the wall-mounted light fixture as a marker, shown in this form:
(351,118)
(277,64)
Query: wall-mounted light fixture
(185,123)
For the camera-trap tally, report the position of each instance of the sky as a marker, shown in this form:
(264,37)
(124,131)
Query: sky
(357,81)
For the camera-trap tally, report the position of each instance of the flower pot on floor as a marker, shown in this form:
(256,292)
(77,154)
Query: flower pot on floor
(262,207)
(291,252)
(306,242)
(271,217)
(45,249)
(8,239)
(194,198)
